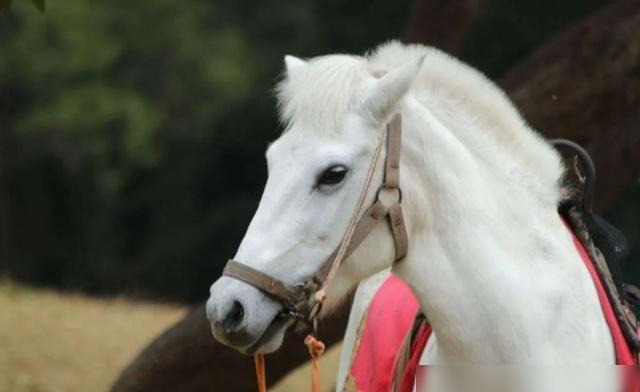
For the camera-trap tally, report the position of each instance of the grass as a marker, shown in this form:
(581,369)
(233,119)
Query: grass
(53,342)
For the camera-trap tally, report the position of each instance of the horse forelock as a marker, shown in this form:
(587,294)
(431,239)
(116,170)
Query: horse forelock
(319,94)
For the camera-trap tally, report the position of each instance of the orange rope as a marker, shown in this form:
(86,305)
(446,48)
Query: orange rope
(316,348)
(258,359)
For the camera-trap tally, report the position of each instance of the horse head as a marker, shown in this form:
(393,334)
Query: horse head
(335,109)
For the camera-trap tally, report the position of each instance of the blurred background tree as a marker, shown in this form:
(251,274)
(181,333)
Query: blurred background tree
(132,134)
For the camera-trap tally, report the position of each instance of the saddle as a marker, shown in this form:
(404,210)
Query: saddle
(607,247)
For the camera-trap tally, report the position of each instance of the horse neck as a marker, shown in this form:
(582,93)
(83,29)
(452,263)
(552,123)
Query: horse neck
(481,241)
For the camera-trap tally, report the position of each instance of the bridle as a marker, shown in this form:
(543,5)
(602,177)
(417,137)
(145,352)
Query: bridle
(303,301)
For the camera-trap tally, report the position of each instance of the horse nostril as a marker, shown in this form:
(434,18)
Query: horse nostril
(234,318)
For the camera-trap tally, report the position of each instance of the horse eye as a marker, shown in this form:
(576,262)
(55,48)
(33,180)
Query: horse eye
(333,175)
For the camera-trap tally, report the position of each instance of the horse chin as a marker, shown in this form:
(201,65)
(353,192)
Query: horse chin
(271,339)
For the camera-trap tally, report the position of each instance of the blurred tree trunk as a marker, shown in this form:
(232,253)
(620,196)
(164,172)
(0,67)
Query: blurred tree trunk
(583,85)
(442,23)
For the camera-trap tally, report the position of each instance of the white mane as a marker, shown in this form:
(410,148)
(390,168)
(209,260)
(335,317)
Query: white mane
(319,94)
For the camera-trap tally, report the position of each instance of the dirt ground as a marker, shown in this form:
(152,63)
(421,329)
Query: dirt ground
(52,342)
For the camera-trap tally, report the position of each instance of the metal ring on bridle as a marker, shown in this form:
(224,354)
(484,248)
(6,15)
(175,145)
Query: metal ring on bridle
(382,187)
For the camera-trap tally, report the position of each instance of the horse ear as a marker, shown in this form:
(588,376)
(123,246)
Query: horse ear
(292,63)
(381,98)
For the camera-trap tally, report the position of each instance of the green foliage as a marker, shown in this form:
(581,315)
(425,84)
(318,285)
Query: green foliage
(40,4)
(5,5)
(133,133)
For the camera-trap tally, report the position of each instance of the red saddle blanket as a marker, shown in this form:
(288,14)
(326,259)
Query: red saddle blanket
(390,317)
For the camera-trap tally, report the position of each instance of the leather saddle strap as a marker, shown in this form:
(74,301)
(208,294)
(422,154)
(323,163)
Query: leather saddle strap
(264,282)
(588,172)
(404,352)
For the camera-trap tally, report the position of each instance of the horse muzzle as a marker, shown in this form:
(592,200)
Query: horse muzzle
(244,318)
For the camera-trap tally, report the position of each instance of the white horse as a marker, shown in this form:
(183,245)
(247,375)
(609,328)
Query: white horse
(489,259)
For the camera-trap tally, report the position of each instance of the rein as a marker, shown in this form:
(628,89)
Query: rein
(303,301)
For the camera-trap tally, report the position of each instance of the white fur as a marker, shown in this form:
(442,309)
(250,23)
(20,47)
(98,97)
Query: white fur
(292,63)
(491,263)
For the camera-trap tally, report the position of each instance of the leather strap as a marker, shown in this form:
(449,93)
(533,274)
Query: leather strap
(392,162)
(398,231)
(391,180)
(586,175)
(367,222)
(260,280)
(298,299)
(404,352)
